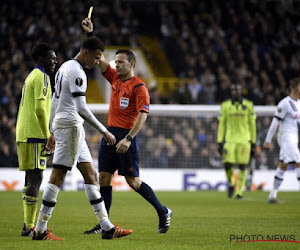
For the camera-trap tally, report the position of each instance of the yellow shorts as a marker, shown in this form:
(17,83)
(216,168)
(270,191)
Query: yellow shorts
(237,153)
(31,155)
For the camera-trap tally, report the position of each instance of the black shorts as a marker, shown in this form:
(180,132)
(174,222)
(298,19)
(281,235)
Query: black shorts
(109,161)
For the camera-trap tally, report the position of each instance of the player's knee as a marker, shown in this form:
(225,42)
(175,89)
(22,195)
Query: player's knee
(90,178)
(297,165)
(227,165)
(105,179)
(134,182)
(242,167)
(33,181)
(57,178)
(34,176)
(33,189)
(283,166)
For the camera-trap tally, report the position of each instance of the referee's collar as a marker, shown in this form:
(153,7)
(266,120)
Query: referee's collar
(40,68)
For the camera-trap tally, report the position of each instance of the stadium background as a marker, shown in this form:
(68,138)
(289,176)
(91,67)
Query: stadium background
(193,51)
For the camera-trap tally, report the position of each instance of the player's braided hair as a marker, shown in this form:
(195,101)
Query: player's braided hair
(92,43)
(294,82)
(40,50)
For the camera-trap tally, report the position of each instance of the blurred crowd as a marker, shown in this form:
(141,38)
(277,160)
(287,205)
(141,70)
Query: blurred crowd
(255,43)
(209,45)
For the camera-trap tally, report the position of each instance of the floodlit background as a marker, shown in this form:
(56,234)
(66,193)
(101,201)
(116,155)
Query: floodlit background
(188,53)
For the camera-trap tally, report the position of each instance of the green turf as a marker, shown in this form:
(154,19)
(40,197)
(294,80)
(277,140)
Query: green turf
(201,220)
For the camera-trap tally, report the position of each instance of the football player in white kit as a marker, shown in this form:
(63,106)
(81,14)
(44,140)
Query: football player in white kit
(68,113)
(286,119)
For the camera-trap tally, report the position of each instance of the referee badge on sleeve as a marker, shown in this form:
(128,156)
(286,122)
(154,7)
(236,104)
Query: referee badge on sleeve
(124,102)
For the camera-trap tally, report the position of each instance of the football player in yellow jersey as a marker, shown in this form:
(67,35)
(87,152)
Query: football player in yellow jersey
(236,137)
(32,130)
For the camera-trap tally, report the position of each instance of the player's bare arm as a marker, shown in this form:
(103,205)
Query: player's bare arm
(51,144)
(124,144)
(268,145)
(88,116)
(110,138)
(88,27)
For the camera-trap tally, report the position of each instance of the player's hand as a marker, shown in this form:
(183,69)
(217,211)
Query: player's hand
(87,25)
(110,138)
(123,146)
(220,148)
(50,146)
(268,145)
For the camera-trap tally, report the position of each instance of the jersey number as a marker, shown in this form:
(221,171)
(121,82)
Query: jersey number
(43,153)
(58,82)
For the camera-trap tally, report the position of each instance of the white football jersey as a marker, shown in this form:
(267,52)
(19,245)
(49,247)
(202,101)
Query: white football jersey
(70,82)
(288,112)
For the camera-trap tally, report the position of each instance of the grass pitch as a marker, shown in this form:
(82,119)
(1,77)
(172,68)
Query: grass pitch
(201,220)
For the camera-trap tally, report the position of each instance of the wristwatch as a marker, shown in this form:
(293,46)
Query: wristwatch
(129,138)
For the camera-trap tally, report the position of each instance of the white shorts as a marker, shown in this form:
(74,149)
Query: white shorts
(289,151)
(70,147)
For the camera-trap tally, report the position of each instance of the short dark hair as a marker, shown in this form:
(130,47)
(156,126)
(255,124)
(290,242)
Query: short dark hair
(294,82)
(92,43)
(130,55)
(40,50)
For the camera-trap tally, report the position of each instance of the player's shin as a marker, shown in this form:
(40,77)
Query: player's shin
(97,203)
(278,178)
(106,193)
(30,204)
(229,174)
(241,181)
(49,201)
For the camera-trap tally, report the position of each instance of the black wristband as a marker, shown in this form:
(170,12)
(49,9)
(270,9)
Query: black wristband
(90,34)
(129,138)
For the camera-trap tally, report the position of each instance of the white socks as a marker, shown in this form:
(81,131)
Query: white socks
(94,196)
(278,178)
(49,201)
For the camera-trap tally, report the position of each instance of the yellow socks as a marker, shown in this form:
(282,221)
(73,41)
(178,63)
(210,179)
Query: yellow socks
(241,182)
(30,204)
(229,174)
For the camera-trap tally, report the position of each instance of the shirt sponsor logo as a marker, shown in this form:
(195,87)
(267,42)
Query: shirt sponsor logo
(79,82)
(124,102)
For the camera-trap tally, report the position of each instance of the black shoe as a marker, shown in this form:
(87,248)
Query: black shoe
(164,222)
(273,201)
(27,232)
(115,232)
(47,235)
(238,197)
(96,230)
(230,191)
(39,236)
